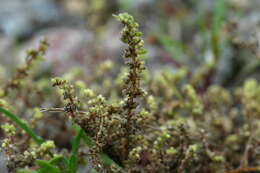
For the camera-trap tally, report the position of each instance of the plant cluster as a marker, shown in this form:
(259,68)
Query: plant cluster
(117,126)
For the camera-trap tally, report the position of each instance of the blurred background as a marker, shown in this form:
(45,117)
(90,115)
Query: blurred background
(216,39)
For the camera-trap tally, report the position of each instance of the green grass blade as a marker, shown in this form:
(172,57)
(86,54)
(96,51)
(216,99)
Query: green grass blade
(173,47)
(73,160)
(56,159)
(218,18)
(26,171)
(218,15)
(93,171)
(73,164)
(76,141)
(125,5)
(47,167)
(22,125)
(104,157)
(87,139)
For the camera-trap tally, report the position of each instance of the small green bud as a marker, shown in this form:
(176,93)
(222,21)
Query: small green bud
(218,158)
(194,148)
(37,113)
(171,151)
(80,84)
(9,129)
(144,113)
(3,103)
(101,99)
(231,139)
(47,146)
(89,93)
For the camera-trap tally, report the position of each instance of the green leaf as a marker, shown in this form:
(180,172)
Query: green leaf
(22,125)
(218,15)
(73,164)
(66,163)
(218,18)
(26,171)
(93,171)
(60,161)
(125,5)
(56,159)
(46,167)
(173,47)
(104,157)
(87,139)
(73,160)
(76,141)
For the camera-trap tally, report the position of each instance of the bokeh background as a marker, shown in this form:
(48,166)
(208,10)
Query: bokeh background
(199,34)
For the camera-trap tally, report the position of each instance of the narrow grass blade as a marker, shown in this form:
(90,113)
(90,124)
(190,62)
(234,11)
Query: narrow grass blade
(73,160)
(56,159)
(218,18)
(22,125)
(173,47)
(47,167)
(218,15)
(26,171)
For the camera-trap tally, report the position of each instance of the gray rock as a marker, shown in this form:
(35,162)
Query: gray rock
(69,47)
(21,18)
(6,47)
(3,163)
